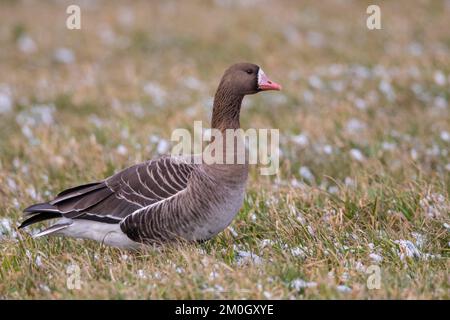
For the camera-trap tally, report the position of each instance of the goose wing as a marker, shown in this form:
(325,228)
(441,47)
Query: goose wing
(118,196)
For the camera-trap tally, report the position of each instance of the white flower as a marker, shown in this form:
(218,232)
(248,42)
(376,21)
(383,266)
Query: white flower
(162,146)
(440,102)
(6,228)
(156,92)
(38,261)
(407,249)
(343,289)
(301,139)
(27,132)
(327,149)
(306,174)
(5,223)
(299,284)
(344,276)
(64,55)
(141,274)
(361,71)
(386,88)
(16,203)
(32,192)
(434,205)
(359,266)
(137,110)
(349,182)
(26,44)
(6,103)
(300,218)
(414,154)
(266,243)
(337,85)
(439,78)
(216,289)
(420,239)
(233,232)
(336,69)
(96,121)
(333,189)
(445,136)
(298,252)
(179,270)
(106,34)
(295,183)
(388,146)
(434,151)
(357,155)
(37,115)
(193,83)
(375,257)
(44,287)
(360,104)
(310,230)
(315,82)
(122,150)
(308,97)
(355,126)
(243,257)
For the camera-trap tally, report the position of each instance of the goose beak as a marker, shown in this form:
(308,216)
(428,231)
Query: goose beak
(264,83)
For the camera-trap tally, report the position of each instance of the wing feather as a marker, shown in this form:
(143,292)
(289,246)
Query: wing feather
(117,197)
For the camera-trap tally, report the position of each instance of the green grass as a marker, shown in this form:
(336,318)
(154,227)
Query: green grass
(371,106)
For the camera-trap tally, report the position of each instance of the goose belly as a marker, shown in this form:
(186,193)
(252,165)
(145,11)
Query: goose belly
(220,215)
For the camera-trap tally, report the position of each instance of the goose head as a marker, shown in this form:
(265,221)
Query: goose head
(238,80)
(247,78)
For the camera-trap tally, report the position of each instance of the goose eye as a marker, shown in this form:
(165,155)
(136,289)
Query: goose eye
(249,71)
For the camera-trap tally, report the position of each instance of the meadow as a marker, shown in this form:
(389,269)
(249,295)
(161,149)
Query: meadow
(364,179)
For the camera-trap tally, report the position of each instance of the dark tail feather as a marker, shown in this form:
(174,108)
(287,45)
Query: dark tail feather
(77,191)
(39,212)
(40,207)
(41,216)
(80,188)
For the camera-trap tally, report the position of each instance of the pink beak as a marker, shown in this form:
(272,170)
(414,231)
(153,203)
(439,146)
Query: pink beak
(264,83)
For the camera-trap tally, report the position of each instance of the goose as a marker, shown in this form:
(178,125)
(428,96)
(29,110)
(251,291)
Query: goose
(165,199)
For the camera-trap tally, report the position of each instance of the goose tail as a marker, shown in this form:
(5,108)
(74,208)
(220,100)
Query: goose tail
(39,212)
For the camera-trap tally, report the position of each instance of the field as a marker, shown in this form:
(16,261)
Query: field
(364,178)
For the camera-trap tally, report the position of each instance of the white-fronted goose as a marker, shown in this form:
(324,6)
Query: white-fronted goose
(164,199)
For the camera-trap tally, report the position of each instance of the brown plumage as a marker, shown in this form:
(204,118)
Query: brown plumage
(165,199)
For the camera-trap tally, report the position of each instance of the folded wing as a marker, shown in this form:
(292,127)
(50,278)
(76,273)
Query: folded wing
(113,199)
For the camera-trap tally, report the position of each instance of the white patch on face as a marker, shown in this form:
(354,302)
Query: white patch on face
(260,75)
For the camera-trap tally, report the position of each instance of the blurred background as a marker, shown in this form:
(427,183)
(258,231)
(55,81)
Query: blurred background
(137,70)
(364,110)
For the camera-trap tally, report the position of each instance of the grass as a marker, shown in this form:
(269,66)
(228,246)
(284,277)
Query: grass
(364,112)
